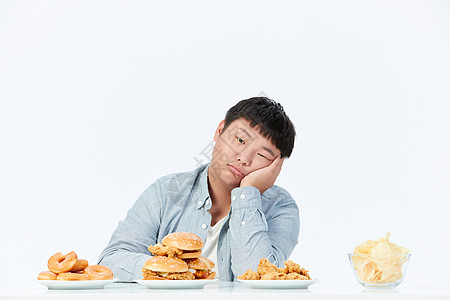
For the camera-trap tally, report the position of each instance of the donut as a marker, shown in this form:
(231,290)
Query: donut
(72,276)
(47,275)
(60,263)
(80,265)
(98,272)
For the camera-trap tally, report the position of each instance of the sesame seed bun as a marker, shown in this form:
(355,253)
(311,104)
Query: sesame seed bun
(183,241)
(166,264)
(200,263)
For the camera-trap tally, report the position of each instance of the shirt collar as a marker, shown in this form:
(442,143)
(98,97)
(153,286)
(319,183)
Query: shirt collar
(203,186)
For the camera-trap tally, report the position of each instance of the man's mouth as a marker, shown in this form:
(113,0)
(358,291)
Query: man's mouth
(236,170)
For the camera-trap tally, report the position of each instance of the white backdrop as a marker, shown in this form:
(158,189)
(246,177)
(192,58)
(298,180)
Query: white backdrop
(100,98)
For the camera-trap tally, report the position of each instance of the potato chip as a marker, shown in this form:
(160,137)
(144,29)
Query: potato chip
(359,262)
(365,247)
(391,274)
(381,254)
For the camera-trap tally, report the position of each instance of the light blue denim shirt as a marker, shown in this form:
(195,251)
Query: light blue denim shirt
(257,226)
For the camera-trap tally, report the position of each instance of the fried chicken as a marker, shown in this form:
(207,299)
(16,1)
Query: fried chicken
(146,273)
(162,250)
(250,275)
(296,276)
(268,271)
(265,267)
(180,276)
(295,268)
(273,276)
(211,275)
(206,274)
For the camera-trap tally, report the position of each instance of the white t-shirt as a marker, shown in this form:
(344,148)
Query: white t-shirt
(210,249)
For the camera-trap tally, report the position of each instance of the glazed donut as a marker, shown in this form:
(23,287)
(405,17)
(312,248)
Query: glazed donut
(80,265)
(60,263)
(98,272)
(72,276)
(47,275)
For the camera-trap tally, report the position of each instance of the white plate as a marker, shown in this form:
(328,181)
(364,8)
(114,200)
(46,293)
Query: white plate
(176,284)
(279,284)
(75,284)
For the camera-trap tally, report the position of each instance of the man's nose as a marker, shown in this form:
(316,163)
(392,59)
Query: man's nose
(244,156)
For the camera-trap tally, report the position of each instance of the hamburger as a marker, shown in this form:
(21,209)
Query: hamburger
(184,245)
(201,268)
(166,268)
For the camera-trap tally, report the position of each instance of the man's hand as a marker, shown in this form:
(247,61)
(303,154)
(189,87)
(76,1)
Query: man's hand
(264,178)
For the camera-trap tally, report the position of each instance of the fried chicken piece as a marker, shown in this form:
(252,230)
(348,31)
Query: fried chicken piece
(273,276)
(250,275)
(206,274)
(292,267)
(162,250)
(265,267)
(147,273)
(211,275)
(180,276)
(296,276)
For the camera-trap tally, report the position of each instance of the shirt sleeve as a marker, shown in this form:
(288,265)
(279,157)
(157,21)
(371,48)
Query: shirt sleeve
(127,250)
(255,236)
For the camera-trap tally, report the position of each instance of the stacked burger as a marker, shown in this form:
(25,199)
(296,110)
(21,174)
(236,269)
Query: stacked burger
(177,257)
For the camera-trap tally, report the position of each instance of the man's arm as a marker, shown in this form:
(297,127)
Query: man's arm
(127,250)
(254,235)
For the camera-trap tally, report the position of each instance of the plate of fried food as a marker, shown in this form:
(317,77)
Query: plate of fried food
(268,276)
(68,272)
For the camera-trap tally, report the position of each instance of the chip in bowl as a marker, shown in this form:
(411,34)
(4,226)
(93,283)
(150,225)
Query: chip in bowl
(379,263)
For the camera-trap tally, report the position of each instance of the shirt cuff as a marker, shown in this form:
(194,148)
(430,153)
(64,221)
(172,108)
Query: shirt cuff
(247,197)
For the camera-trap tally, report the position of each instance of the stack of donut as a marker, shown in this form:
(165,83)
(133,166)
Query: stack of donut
(69,267)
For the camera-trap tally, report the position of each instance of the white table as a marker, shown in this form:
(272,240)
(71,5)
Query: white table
(216,291)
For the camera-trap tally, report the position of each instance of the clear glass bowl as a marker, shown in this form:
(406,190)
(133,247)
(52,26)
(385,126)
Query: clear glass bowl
(380,270)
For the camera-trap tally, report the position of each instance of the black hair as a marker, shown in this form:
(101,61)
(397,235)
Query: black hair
(269,118)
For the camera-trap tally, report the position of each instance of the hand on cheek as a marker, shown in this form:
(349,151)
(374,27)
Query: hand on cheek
(264,178)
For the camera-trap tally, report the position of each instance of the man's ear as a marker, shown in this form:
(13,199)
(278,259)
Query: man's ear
(219,130)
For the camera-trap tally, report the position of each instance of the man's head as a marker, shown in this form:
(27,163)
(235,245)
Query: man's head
(269,118)
(254,133)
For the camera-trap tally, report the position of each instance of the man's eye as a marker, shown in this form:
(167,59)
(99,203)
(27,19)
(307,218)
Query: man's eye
(240,140)
(262,155)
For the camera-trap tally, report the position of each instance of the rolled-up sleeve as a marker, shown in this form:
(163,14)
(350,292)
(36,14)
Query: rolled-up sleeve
(127,250)
(255,234)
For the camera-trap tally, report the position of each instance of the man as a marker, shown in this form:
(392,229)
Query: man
(231,203)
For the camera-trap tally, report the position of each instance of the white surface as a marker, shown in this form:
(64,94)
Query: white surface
(176,284)
(75,285)
(100,98)
(279,284)
(218,291)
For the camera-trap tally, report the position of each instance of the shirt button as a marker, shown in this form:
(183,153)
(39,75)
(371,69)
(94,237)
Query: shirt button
(242,196)
(233,198)
(207,202)
(204,226)
(199,202)
(243,223)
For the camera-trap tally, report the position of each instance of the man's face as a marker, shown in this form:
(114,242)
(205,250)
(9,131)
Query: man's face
(239,150)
